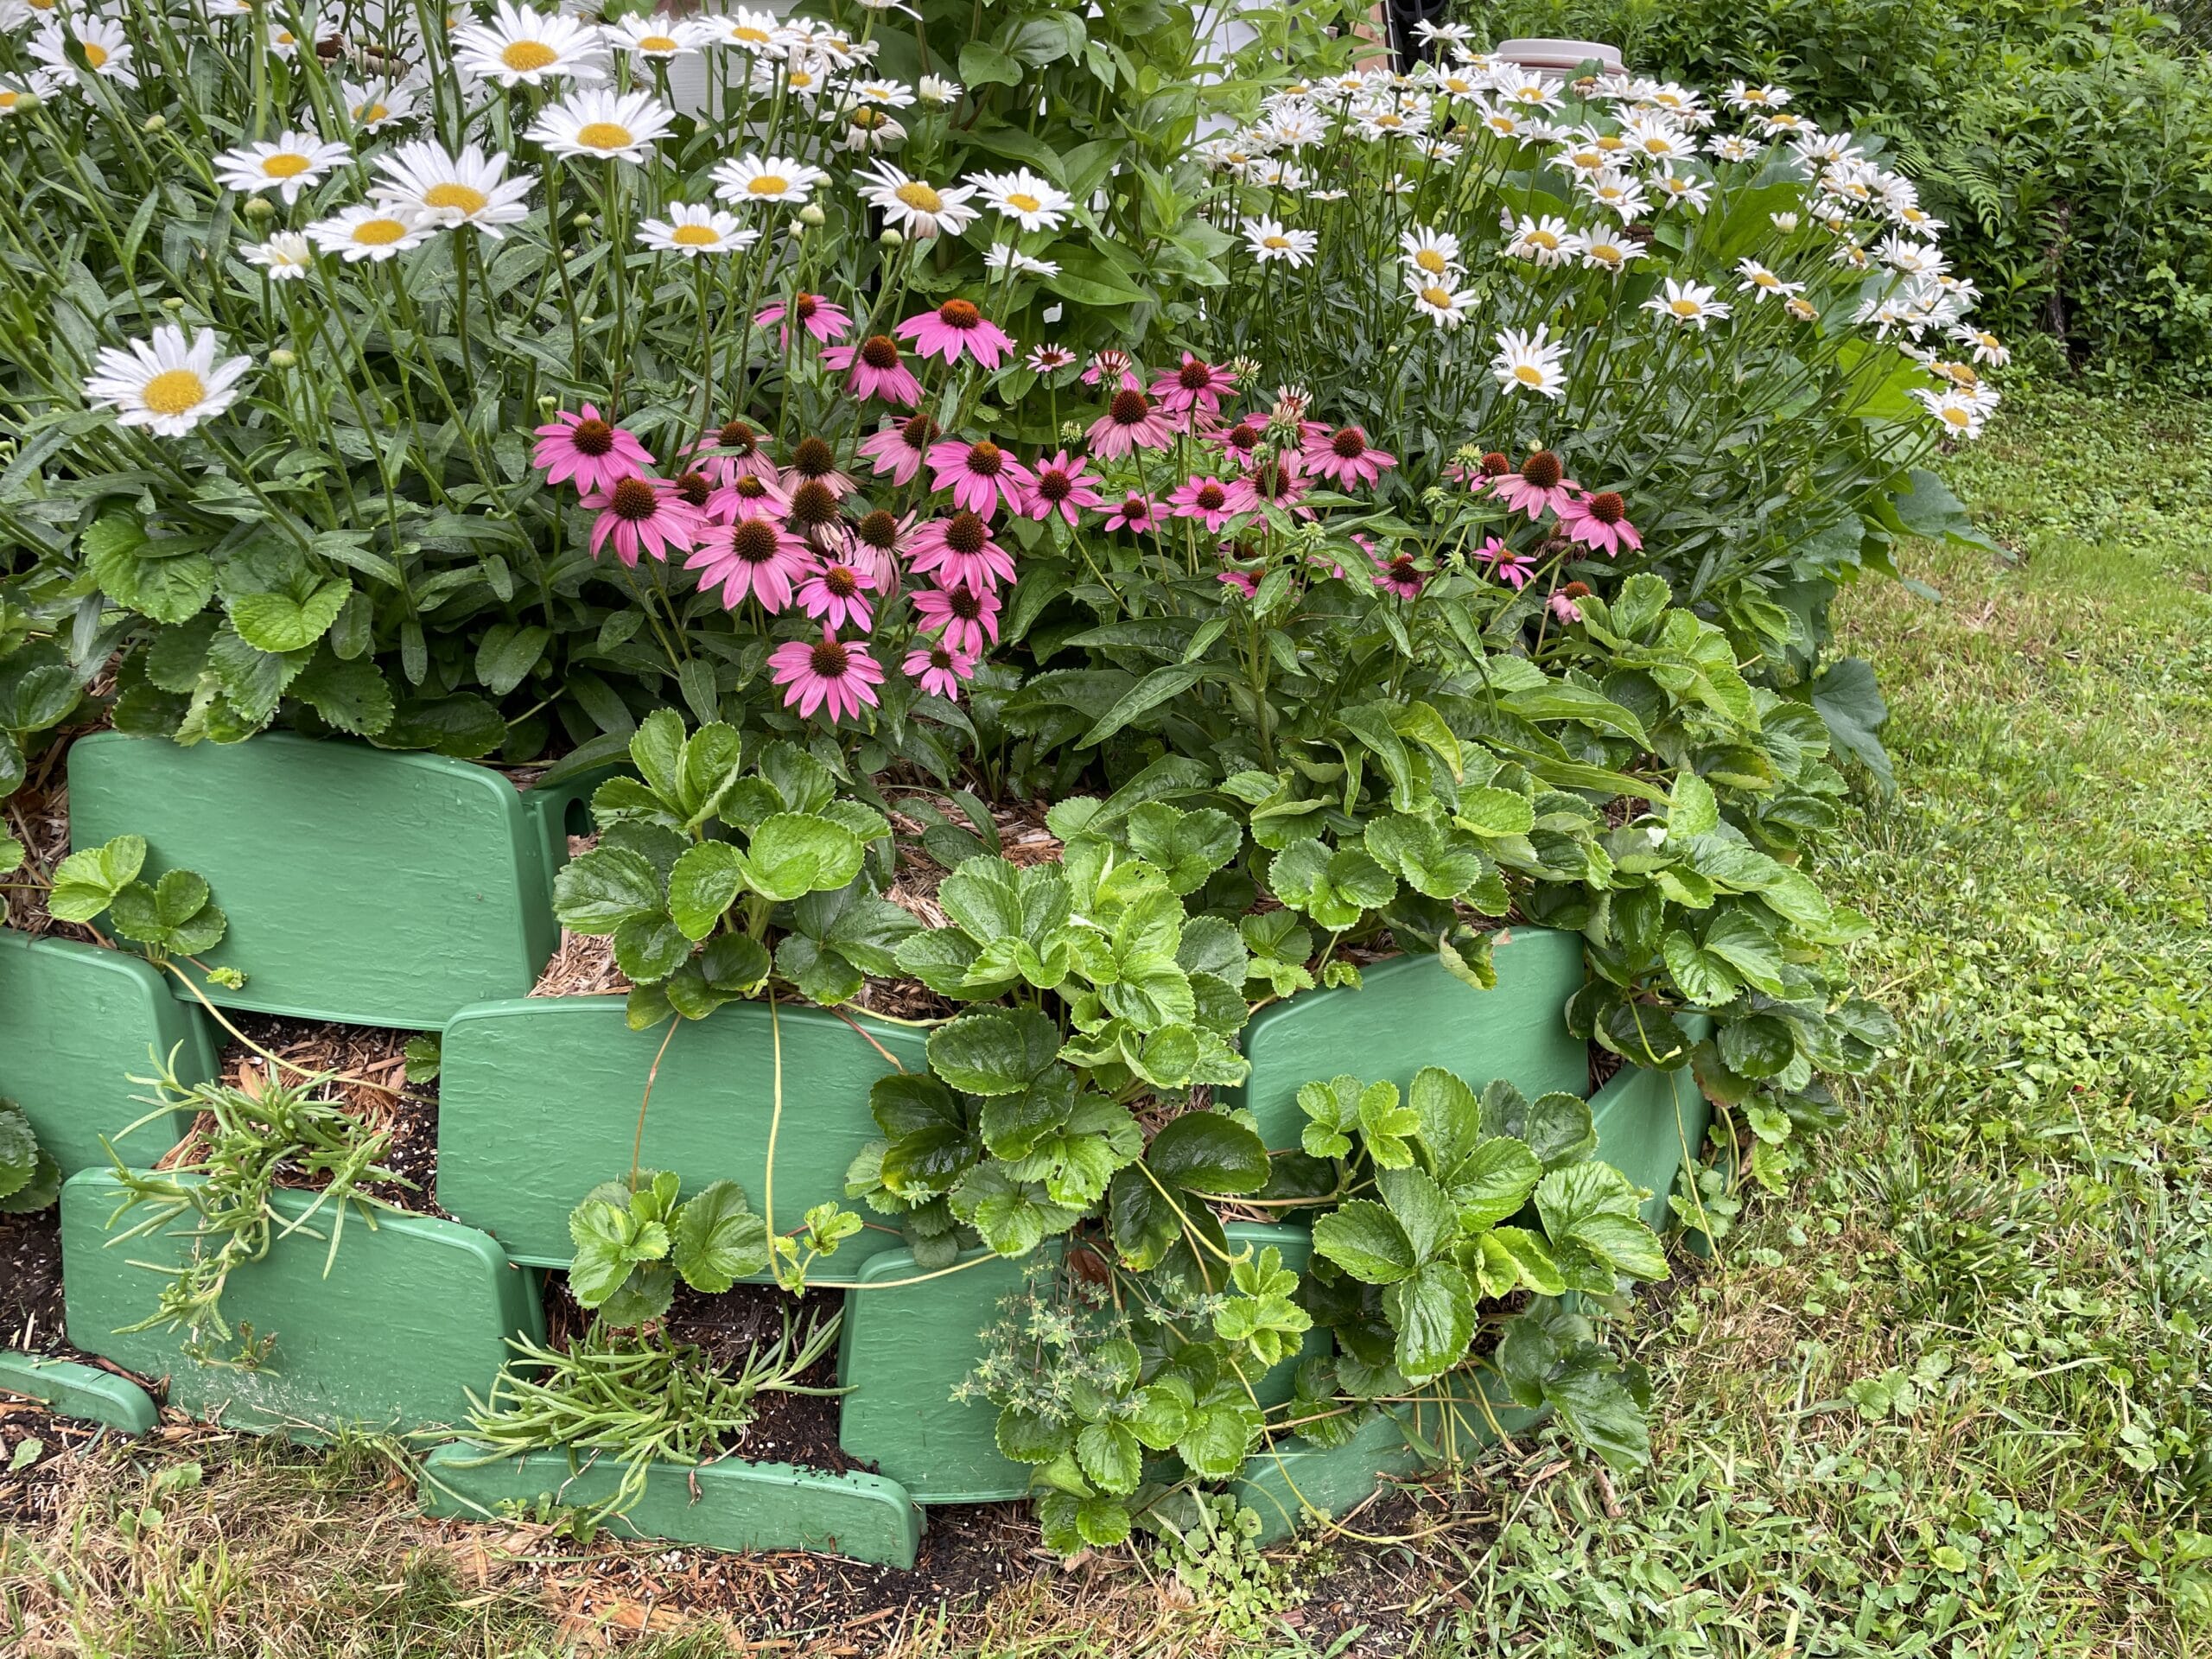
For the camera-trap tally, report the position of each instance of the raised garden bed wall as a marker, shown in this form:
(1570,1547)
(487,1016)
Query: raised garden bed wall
(362,886)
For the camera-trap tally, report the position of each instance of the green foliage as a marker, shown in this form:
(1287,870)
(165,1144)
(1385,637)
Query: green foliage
(633,1239)
(29,1179)
(172,916)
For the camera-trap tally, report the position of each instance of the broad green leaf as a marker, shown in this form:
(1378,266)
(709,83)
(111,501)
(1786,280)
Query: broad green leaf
(85,883)
(1206,1152)
(1433,1313)
(705,882)
(598,891)
(1365,1240)
(281,622)
(995,1051)
(717,1240)
(793,853)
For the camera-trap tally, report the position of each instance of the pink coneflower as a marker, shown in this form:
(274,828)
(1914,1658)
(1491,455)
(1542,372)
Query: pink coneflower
(753,558)
(966,617)
(880,541)
(1246,582)
(1396,574)
(752,495)
(954,329)
(1344,455)
(1241,441)
(1196,388)
(732,453)
(1275,483)
(899,450)
(829,672)
(939,670)
(837,591)
(1049,359)
(1600,520)
(1206,499)
(642,515)
(1129,423)
(1542,482)
(1135,512)
(813,461)
(1563,605)
(1061,484)
(1507,565)
(958,550)
(587,448)
(979,475)
(1113,366)
(877,370)
(825,321)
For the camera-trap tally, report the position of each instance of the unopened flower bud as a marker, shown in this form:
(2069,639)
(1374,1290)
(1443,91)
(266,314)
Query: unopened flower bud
(281,359)
(260,209)
(28,102)
(811,216)
(173,303)
(547,402)
(581,221)
(156,124)
(891,236)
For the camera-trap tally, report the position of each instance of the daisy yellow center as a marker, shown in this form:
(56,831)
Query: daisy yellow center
(378,233)
(288,165)
(285,37)
(604,134)
(801,80)
(1438,297)
(527,56)
(1609,142)
(1430,261)
(42,5)
(769,184)
(369,114)
(1274,241)
(1543,239)
(1951,416)
(867,119)
(745,34)
(8,100)
(695,236)
(1683,307)
(919,196)
(1766,279)
(173,392)
(465,197)
(1605,252)
(1021,201)
(656,43)
(1529,374)
(95,54)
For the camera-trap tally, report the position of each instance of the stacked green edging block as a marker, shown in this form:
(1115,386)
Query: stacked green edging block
(414,1316)
(727,1505)
(81,1391)
(539,1102)
(77,1023)
(365,886)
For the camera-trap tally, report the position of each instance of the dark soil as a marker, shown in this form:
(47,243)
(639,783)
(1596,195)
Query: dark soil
(30,1283)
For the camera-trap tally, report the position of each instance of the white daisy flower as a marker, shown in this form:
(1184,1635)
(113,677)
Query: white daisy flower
(284,43)
(1690,304)
(754,32)
(1449,34)
(1547,241)
(804,75)
(1657,137)
(290,162)
(1617,193)
(18,14)
(696,231)
(1741,95)
(1525,89)
(660,37)
(1295,129)
(1005,257)
(936,91)
(1434,253)
(603,125)
(1582,156)
(770,178)
(1786,223)
(106,49)
(920,209)
(1441,150)
(1602,250)
(1763,284)
(1678,101)
(1270,240)
(449,190)
(1917,218)
(1030,201)
(1682,190)
(1733,148)
(1912,259)
(1436,300)
(869,128)
(1530,362)
(891,94)
(363,231)
(1782,124)
(519,46)
(1504,123)
(170,383)
(375,107)
(1987,349)
(1959,414)
(14,89)
(285,256)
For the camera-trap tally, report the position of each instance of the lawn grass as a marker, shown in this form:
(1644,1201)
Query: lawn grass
(1950,1396)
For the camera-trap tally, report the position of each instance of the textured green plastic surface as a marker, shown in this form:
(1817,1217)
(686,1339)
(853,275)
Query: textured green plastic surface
(81,1391)
(903,1351)
(538,1098)
(362,886)
(413,1315)
(728,1505)
(76,1023)
(1410,1012)
(1300,1482)
(1647,1122)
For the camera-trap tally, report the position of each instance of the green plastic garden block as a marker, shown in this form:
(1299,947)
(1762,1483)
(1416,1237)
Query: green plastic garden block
(1648,1123)
(728,1505)
(414,1315)
(1410,1012)
(361,885)
(81,1391)
(539,1103)
(904,1348)
(77,1023)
